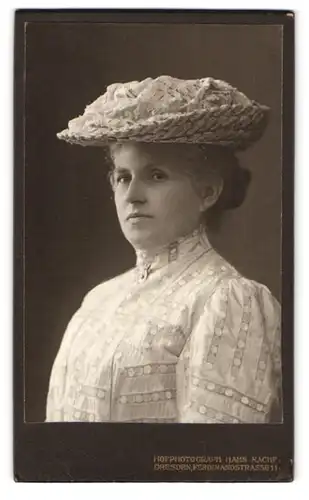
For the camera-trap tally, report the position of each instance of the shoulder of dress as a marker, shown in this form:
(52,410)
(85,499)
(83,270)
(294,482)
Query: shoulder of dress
(238,293)
(213,264)
(248,286)
(231,284)
(104,289)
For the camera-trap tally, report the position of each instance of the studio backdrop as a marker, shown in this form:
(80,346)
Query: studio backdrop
(72,237)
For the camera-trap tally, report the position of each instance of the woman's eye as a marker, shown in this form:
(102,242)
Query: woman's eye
(122,179)
(158,176)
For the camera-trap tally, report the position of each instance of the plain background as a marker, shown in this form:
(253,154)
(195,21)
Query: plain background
(72,238)
(36,491)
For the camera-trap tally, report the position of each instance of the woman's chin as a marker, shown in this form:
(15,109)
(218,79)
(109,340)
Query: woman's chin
(142,238)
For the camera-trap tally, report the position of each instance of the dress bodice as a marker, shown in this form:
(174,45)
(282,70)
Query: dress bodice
(182,337)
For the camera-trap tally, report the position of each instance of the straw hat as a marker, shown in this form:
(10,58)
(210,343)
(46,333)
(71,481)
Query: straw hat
(167,109)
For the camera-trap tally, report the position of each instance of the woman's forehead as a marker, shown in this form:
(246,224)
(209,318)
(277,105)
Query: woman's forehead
(142,155)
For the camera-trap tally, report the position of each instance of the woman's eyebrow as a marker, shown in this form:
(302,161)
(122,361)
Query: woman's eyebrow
(151,165)
(146,166)
(157,165)
(121,170)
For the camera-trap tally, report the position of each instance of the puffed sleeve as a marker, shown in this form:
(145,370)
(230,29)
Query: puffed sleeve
(230,368)
(57,381)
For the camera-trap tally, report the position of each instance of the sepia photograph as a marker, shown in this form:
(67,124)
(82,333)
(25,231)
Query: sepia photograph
(152,284)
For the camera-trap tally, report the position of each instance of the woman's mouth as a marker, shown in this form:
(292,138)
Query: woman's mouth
(137,216)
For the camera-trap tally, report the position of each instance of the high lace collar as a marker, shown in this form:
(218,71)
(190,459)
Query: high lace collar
(147,262)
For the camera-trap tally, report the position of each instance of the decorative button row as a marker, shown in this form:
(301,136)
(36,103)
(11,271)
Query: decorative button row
(215,416)
(229,392)
(80,416)
(173,253)
(148,397)
(262,364)
(135,371)
(218,331)
(183,281)
(242,337)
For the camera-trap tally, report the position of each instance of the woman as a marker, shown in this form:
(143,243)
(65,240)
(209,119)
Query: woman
(182,337)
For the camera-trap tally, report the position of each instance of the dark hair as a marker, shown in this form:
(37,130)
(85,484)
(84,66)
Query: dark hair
(236,181)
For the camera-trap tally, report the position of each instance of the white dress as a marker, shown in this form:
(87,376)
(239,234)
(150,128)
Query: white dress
(182,337)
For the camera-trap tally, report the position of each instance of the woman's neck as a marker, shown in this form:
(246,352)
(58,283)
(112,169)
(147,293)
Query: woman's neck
(172,251)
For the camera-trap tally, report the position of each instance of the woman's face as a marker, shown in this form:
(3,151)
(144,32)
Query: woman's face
(156,200)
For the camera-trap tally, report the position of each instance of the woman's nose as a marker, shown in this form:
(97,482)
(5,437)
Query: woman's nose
(136,192)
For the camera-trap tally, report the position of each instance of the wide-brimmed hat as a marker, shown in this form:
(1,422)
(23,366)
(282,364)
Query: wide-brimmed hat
(167,109)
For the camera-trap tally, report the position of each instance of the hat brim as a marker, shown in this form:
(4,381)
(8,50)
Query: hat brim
(236,127)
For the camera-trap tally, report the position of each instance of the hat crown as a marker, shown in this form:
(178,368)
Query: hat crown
(163,95)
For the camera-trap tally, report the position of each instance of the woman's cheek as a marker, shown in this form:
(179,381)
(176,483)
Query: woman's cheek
(168,204)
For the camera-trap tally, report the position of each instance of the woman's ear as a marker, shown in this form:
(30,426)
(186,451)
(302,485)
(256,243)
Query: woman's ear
(211,193)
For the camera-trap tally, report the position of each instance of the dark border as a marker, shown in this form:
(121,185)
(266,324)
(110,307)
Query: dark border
(125,452)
